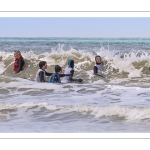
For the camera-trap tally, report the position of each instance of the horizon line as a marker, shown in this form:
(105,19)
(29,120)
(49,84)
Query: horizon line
(64,37)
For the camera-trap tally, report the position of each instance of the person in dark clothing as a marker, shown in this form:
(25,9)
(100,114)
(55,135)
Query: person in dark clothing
(41,73)
(55,78)
(98,65)
(19,62)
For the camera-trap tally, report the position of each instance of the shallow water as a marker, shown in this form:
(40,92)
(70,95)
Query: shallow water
(117,103)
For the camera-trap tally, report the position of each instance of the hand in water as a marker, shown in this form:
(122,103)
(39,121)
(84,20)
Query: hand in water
(80,80)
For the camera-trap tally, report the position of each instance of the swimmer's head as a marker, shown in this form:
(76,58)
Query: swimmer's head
(98,59)
(42,65)
(58,69)
(17,54)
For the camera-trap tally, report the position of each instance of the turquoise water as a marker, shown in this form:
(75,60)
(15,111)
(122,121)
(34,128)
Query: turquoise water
(86,44)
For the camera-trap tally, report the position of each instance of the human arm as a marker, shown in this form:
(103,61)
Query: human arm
(71,74)
(95,70)
(63,75)
(48,74)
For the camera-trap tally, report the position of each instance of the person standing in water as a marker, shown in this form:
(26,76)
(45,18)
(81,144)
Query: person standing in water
(98,65)
(19,62)
(41,73)
(69,70)
(55,78)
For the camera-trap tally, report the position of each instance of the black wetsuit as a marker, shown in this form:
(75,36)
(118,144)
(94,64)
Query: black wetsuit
(97,67)
(42,76)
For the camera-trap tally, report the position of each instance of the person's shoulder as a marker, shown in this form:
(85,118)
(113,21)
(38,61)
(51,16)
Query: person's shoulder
(40,69)
(57,75)
(54,74)
(95,65)
(21,58)
(66,68)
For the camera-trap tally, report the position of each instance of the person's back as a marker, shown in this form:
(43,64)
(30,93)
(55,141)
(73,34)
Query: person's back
(55,78)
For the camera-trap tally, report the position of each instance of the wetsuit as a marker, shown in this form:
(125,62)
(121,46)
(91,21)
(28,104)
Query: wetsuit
(18,64)
(55,78)
(41,75)
(70,71)
(97,68)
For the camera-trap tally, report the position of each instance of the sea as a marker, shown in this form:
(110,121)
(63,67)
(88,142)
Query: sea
(117,103)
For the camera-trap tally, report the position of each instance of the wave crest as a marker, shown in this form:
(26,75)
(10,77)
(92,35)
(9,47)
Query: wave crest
(128,65)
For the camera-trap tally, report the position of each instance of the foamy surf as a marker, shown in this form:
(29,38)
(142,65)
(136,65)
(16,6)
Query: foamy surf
(127,113)
(119,102)
(130,67)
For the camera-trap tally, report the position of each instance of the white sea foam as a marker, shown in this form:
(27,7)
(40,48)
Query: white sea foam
(126,112)
(83,60)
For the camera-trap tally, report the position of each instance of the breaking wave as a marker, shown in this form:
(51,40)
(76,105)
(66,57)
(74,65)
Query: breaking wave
(125,112)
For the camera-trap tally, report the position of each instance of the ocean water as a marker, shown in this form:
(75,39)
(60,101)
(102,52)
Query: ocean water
(120,102)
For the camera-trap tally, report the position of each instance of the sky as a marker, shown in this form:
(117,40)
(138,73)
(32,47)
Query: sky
(103,27)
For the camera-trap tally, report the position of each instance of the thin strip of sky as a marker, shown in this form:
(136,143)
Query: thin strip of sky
(75,27)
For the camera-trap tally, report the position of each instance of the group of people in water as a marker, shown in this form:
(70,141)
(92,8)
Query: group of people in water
(55,77)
